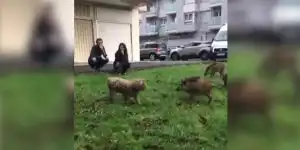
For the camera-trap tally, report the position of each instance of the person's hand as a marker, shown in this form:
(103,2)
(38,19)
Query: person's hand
(94,59)
(103,57)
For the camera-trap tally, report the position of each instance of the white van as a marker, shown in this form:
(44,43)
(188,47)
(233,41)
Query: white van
(219,44)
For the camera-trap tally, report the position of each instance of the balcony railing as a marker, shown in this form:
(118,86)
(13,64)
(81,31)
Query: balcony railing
(216,2)
(170,9)
(148,29)
(171,27)
(215,21)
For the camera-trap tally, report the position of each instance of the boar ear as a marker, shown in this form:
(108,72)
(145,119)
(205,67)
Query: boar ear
(142,81)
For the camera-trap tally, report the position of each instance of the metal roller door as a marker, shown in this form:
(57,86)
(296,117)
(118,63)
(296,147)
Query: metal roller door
(83,40)
(113,34)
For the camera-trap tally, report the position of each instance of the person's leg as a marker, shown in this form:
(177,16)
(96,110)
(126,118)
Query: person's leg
(116,67)
(98,63)
(91,63)
(125,67)
(102,62)
(120,68)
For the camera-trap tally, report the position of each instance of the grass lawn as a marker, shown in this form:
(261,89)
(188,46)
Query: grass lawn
(164,120)
(285,116)
(30,101)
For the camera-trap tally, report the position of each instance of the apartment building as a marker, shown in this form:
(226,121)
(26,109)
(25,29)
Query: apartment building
(178,22)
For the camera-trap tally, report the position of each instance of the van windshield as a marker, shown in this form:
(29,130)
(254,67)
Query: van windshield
(221,36)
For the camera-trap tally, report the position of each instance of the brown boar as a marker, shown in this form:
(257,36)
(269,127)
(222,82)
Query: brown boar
(215,67)
(195,86)
(247,97)
(128,88)
(278,60)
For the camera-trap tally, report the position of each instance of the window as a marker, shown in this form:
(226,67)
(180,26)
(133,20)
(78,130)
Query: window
(152,46)
(149,7)
(188,17)
(205,37)
(195,44)
(216,11)
(221,36)
(188,45)
(173,18)
(151,21)
(163,21)
(163,46)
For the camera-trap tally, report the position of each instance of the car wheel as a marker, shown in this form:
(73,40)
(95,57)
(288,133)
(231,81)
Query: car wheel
(152,57)
(204,55)
(175,56)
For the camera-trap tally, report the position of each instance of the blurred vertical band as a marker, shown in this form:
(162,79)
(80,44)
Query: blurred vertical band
(36,63)
(264,74)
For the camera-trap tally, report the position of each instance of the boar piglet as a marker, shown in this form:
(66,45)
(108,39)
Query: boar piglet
(128,88)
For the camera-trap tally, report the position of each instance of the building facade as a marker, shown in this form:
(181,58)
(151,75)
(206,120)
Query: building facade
(178,22)
(114,21)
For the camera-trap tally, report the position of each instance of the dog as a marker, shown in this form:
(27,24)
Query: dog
(128,88)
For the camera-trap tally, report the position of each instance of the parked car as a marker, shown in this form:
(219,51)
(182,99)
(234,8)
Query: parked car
(196,49)
(153,51)
(219,44)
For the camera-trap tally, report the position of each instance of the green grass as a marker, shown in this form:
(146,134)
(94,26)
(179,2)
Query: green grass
(29,101)
(164,120)
(286,133)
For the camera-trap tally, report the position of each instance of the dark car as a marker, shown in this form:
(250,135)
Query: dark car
(153,51)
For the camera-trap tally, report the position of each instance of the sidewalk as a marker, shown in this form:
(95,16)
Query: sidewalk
(84,68)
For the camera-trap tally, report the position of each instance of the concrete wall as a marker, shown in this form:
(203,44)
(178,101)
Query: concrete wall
(135,34)
(17,20)
(14,37)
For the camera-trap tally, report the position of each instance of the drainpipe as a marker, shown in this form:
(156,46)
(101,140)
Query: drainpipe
(157,14)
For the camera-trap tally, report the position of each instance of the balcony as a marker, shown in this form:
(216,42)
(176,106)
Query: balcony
(162,30)
(170,9)
(123,3)
(214,3)
(215,23)
(148,30)
(173,28)
(151,13)
(191,7)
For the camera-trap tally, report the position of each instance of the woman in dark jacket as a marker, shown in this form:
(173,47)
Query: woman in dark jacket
(121,63)
(98,57)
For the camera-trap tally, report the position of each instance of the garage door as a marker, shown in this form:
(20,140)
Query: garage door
(83,40)
(113,34)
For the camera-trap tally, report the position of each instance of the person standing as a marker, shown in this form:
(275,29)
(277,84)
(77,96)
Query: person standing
(98,57)
(121,63)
